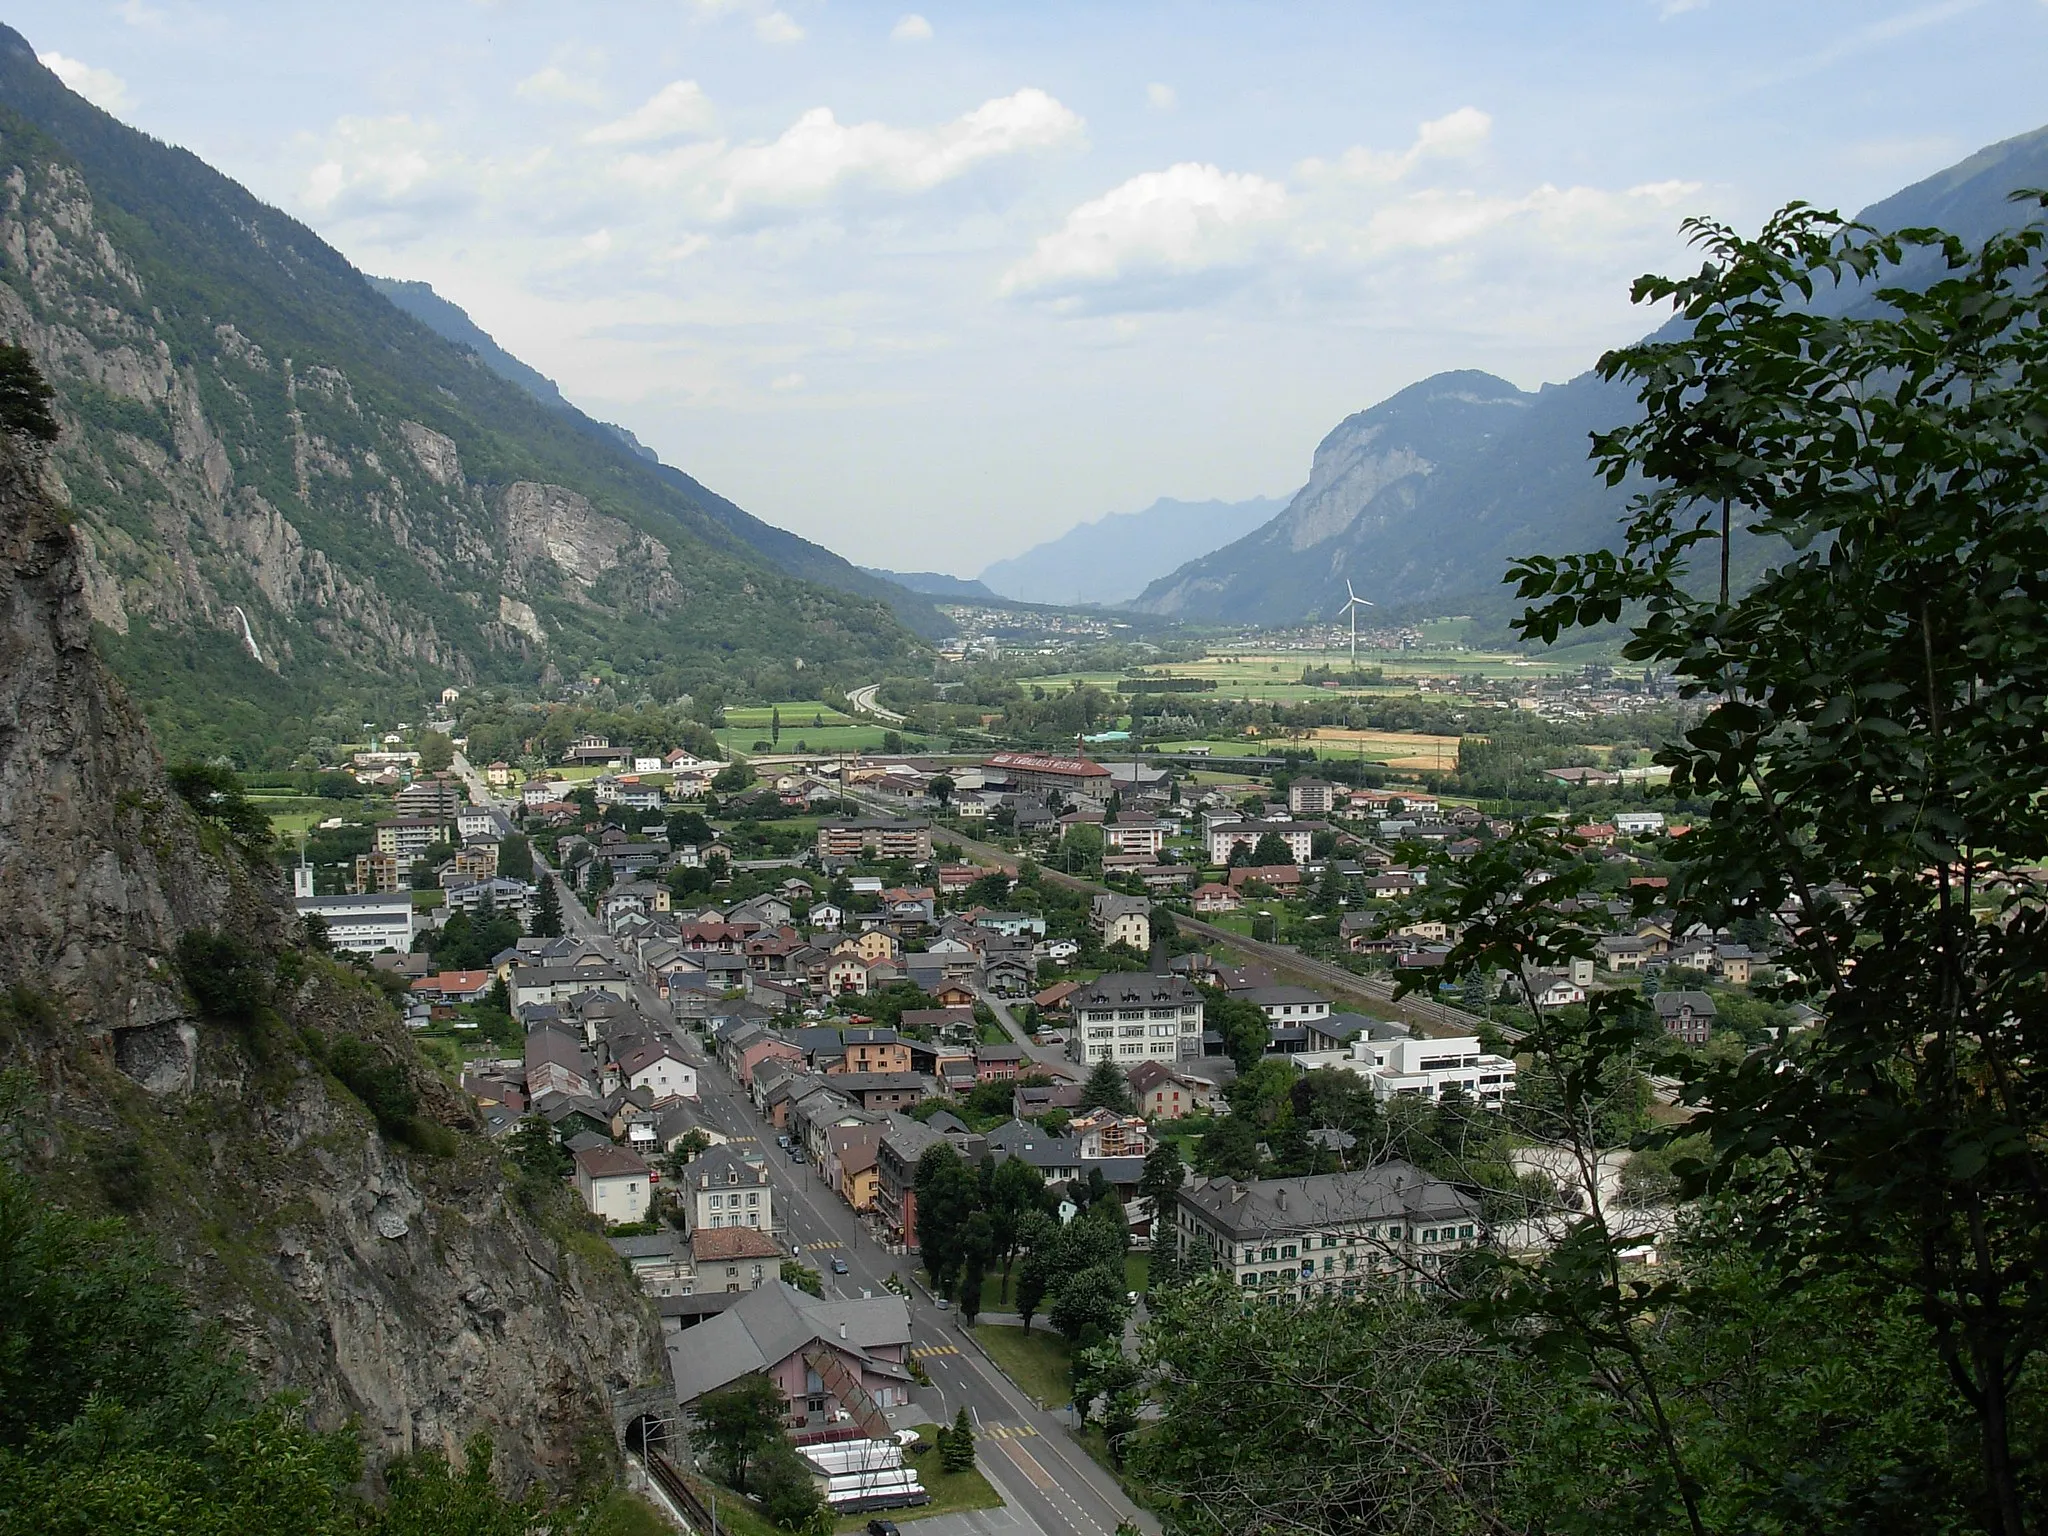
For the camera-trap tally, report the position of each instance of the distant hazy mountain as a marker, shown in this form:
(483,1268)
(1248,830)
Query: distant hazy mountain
(1112,558)
(1422,500)
(935,584)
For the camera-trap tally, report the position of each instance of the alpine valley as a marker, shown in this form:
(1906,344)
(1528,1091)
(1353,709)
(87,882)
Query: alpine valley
(295,497)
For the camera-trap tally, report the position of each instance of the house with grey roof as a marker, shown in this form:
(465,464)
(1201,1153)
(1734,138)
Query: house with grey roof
(825,1357)
(1327,1234)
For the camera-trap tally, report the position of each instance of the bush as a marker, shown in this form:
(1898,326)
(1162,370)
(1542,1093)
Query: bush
(228,976)
(385,1087)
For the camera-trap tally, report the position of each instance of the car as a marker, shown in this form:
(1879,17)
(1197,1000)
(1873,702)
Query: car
(883,1528)
(796,1155)
(942,1304)
(839,1266)
(782,1140)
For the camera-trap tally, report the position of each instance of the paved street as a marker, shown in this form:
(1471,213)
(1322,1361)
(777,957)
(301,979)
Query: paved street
(1052,1485)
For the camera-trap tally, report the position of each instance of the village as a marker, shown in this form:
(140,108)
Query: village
(757,1069)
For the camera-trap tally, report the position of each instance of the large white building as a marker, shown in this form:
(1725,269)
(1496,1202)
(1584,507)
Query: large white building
(1127,1018)
(614,1183)
(1413,1064)
(1299,836)
(364,925)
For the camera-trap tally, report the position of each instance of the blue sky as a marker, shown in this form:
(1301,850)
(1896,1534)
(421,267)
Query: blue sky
(932,286)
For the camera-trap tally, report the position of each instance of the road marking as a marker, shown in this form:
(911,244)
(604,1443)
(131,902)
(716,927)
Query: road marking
(1009,1431)
(825,1243)
(1028,1465)
(928,1351)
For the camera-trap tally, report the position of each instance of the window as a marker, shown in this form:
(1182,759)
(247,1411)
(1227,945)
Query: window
(1251,1256)
(1287,1251)
(1465,1231)
(1270,1255)
(753,1199)
(1250,1278)
(717,1202)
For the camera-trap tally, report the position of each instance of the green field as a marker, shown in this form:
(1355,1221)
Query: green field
(1038,1360)
(827,738)
(292,815)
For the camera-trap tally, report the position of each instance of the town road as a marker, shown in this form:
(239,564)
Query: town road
(1043,1473)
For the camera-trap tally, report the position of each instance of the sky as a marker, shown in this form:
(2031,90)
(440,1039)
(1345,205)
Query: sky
(932,286)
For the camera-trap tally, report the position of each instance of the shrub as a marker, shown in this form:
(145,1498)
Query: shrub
(228,976)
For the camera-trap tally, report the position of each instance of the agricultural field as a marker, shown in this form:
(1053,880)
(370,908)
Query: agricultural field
(1408,750)
(292,816)
(817,726)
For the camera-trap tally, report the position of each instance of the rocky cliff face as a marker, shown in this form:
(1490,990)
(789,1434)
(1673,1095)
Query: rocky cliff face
(419,1295)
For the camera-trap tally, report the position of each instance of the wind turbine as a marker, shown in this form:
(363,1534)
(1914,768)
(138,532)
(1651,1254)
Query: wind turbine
(1352,603)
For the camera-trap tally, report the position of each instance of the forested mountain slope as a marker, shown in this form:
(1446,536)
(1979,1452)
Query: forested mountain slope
(298,501)
(1422,500)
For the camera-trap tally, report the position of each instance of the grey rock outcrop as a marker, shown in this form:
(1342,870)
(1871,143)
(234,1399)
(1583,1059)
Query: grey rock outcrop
(427,1298)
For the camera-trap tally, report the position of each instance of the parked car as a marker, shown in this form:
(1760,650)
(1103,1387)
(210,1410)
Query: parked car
(883,1528)
(839,1266)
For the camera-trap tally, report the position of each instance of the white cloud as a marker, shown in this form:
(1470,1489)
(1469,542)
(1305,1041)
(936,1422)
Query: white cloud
(555,83)
(1457,135)
(677,108)
(778,27)
(1161,98)
(818,152)
(1183,219)
(373,160)
(911,28)
(146,17)
(1670,8)
(787,382)
(102,87)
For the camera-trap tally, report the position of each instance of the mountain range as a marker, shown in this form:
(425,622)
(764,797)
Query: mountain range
(1112,559)
(1423,499)
(936,584)
(298,501)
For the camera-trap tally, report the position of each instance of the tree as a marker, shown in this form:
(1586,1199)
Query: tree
(515,857)
(977,1244)
(534,1149)
(942,789)
(732,778)
(1243,1025)
(1032,1279)
(737,1425)
(947,1197)
(1106,1088)
(775,726)
(1270,850)
(692,1145)
(957,1454)
(547,909)
(1092,1305)
(1230,1149)
(802,1277)
(1160,1184)
(25,396)
(437,752)
(789,1495)
(1869,708)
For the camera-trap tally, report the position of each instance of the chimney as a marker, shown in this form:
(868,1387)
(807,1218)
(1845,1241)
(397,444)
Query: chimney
(842,1330)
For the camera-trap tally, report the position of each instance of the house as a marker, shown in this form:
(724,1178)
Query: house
(1398,1065)
(850,1155)
(1012,925)
(1034,1099)
(1686,1016)
(1125,920)
(1287,1005)
(1167,1093)
(874,1091)
(872,945)
(1105,1133)
(844,842)
(1639,823)
(1128,1018)
(614,1183)
(659,1262)
(1036,773)
(1057,1158)
(1621,952)
(1054,998)
(997,1063)
(1325,1235)
(1733,963)
(833,1362)
(454,986)
(1598,778)
(727,1189)
(1311,797)
(1283,878)
(365,924)
(1212,897)
(953,994)
(1225,837)
(732,1259)
(557,1062)
(660,1069)
(1134,832)
(408,837)
(873,1050)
